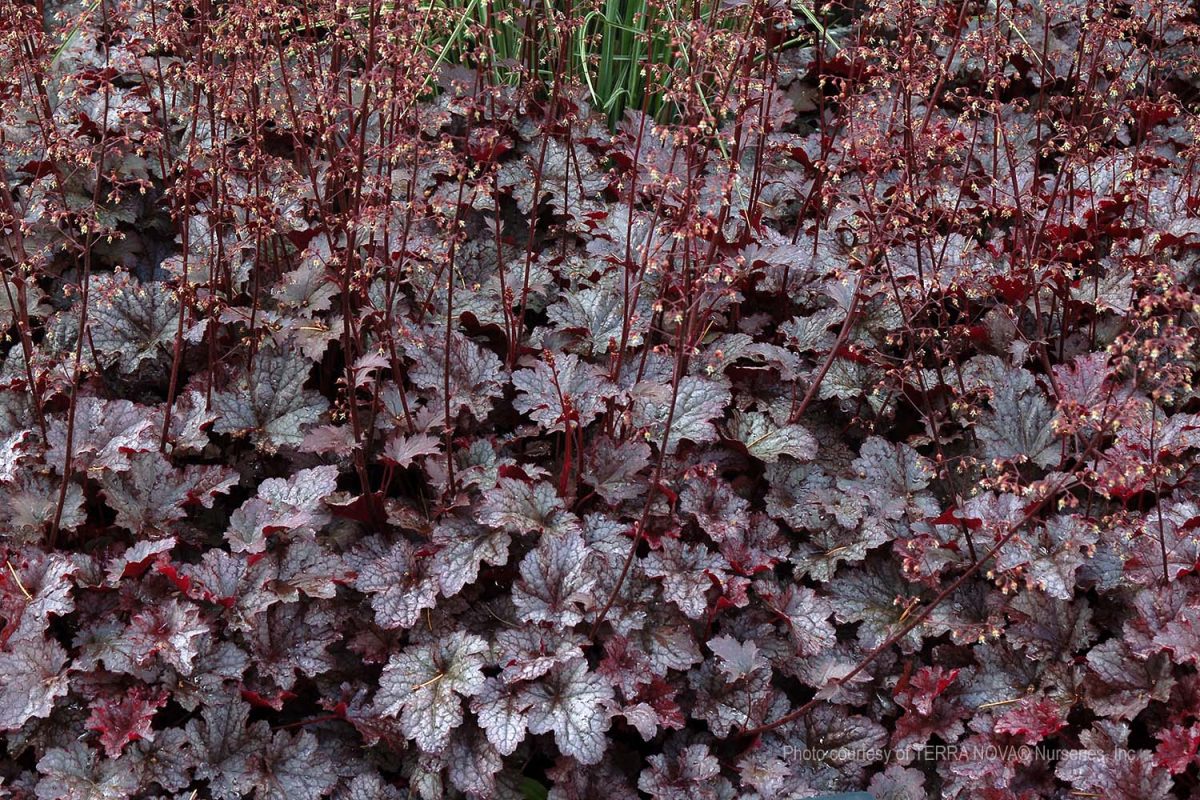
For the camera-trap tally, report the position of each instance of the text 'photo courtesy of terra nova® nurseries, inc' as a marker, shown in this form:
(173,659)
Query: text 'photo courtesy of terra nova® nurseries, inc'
(599,399)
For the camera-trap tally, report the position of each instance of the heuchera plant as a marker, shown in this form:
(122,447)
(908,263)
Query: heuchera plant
(384,413)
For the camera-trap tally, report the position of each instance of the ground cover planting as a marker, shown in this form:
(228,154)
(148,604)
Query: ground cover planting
(583,399)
